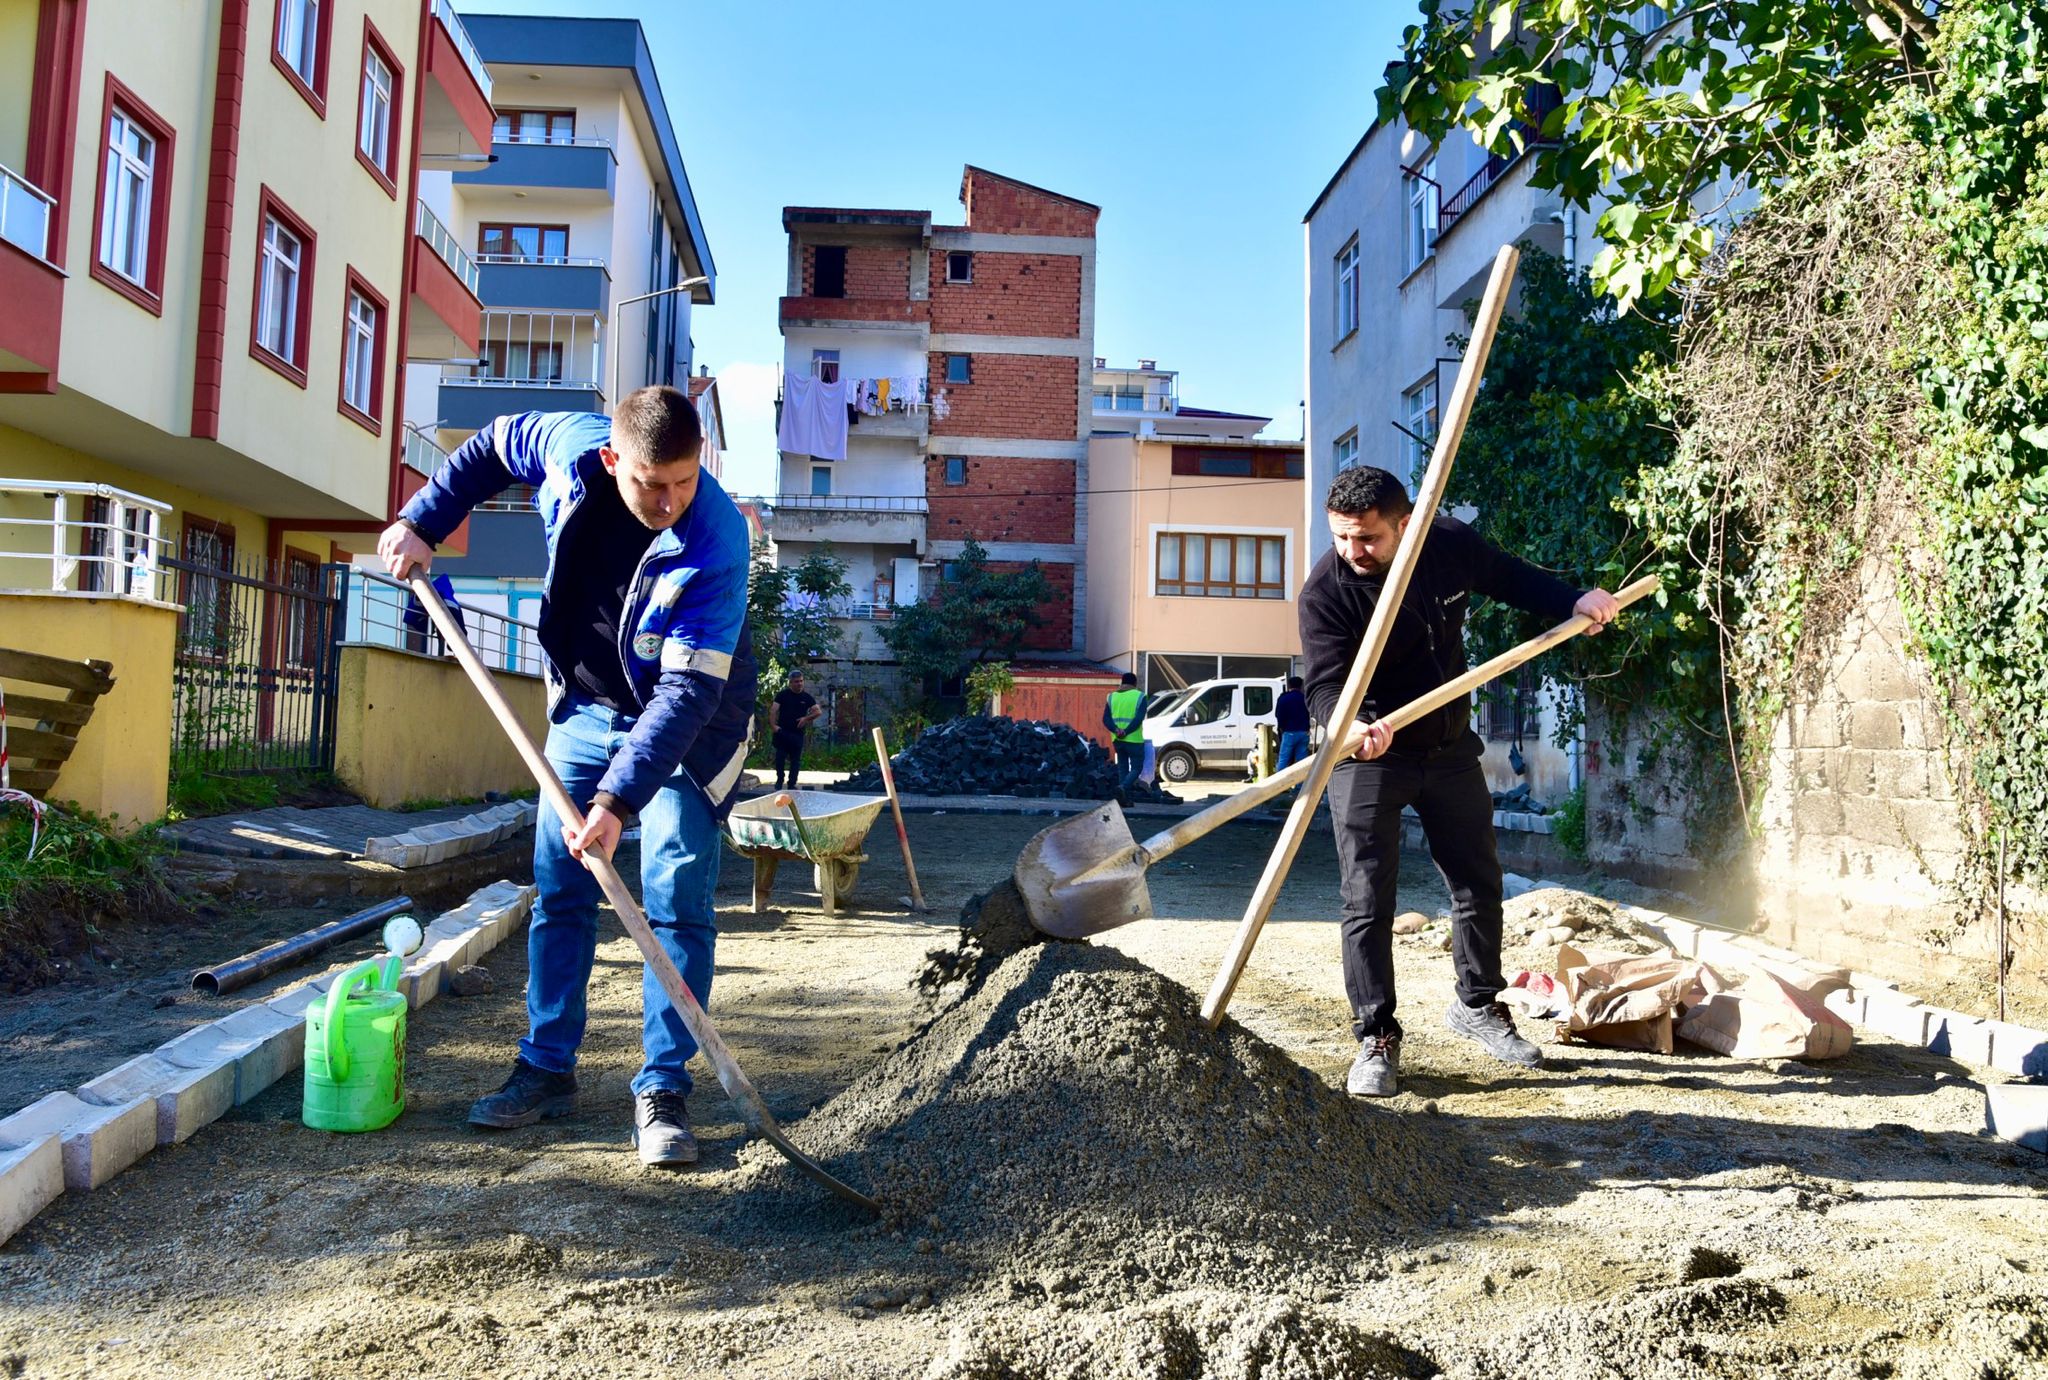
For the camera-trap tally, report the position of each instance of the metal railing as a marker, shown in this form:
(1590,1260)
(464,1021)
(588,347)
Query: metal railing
(421,455)
(537,349)
(1496,164)
(25,211)
(547,260)
(459,35)
(429,228)
(115,544)
(1161,403)
(382,612)
(253,673)
(847,503)
(579,141)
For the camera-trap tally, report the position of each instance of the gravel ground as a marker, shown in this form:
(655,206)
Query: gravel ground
(1614,1214)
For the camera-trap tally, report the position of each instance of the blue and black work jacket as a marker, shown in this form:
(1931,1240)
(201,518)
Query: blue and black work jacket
(683,635)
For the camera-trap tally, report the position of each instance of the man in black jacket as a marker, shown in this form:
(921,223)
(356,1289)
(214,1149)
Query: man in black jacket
(1432,765)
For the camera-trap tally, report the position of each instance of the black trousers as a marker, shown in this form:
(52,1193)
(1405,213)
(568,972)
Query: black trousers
(1448,790)
(789,750)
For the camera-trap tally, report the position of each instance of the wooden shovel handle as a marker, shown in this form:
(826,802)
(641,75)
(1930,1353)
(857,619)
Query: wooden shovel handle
(1392,593)
(1195,826)
(896,809)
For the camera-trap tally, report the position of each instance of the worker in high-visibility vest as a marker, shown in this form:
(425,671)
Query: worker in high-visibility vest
(1123,714)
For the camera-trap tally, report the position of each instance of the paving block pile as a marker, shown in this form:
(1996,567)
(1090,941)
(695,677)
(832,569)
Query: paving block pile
(983,755)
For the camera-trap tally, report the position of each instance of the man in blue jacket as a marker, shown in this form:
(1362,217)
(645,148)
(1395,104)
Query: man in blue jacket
(650,679)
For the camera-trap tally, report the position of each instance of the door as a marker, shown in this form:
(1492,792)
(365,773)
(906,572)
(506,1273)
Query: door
(1204,722)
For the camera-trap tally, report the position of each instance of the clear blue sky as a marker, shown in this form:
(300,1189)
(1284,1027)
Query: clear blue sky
(1202,130)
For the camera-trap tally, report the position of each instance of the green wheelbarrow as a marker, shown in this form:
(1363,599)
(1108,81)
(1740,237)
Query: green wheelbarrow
(822,828)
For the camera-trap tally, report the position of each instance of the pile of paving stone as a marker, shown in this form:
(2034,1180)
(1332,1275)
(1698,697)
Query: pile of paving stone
(1521,801)
(1001,756)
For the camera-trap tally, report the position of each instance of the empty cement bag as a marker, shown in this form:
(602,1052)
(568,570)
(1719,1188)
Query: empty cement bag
(1625,1001)
(1766,1017)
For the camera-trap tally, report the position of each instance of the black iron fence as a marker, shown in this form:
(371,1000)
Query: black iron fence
(254,674)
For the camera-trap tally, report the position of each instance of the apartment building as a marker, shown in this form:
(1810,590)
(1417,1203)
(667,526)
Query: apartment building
(589,253)
(1194,536)
(963,351)
(212,267)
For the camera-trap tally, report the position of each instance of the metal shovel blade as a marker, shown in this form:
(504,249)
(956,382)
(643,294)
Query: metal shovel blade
(1084,875)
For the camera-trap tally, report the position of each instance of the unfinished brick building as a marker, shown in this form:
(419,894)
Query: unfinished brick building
(982,334)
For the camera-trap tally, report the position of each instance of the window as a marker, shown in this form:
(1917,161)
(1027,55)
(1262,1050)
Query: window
(377,118)
(537,243)
(131,223)
(1650,18)
(1347,290)
(956,469)
(1345,451)
(284,284)
(958,369)
(825,365)
(102,569)
(301,615)
(1208,707)
(821,481)
(362,354)
(1507,706)
(1220,565)
(1259,463)
(523,361)
(959,267)
(209,616)
(828,271)
(1258,700)
(535,127)
(1420,184)
(1418,416)
(300,51)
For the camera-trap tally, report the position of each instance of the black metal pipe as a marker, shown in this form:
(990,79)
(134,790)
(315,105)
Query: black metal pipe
(240,972)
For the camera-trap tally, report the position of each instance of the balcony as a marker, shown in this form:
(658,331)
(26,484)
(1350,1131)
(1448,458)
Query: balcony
(97,539)
(857,519)
(552,283)
(447,311)
(534,361)
(884,313)
(552,171)
(456,115)
(30,284)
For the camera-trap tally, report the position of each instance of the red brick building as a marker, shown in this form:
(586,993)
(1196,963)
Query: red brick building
(984,333)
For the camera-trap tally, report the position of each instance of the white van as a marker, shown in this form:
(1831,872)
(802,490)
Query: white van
(1212,724)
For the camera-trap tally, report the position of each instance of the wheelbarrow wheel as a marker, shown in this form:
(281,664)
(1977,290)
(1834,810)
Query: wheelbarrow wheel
(834,878)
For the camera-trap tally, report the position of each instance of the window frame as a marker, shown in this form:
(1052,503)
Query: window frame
(269,207)
(821,360)
(818,271)
(354,285)
(821,473)
(951,255)
(315,90)
(513,118)
(484,229)
(1417,453)
(1421,213)
(386,172)
(204,636)
(966,369)
(947,471)
(149,293)
(1347,291)
(1340,459)
(1230,587)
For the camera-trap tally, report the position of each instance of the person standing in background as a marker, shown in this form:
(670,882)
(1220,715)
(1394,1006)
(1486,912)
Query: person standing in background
(1290,718)
(794,712)
(1123,714)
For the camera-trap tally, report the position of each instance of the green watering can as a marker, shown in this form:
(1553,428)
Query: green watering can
(355,1045)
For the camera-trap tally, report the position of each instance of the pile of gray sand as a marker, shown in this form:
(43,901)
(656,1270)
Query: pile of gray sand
(1070,1128)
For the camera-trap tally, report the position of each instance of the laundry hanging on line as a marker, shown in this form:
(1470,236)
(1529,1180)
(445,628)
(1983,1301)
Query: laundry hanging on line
(814,416)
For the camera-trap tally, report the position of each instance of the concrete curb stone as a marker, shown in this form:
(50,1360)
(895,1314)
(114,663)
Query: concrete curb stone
(2017,1112)
(98,1141)
(31,1178)
(186,1099)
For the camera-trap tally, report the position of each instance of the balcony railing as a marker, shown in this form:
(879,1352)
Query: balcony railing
(580,141)
(25,211)
(120,552)
(846,503)
(429,228)
(452,22)
(384,613)
(551,260)
(537,349)
(1160,403)
(1476,186)
(422,456)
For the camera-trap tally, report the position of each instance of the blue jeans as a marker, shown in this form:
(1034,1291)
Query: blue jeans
(1293,747)
(679,851)
(1130,764)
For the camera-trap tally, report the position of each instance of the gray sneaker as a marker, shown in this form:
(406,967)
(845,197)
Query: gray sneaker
(1374,1071)
(1494,1031)
(661,1128)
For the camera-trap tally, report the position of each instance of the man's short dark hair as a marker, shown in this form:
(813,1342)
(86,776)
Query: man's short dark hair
(1294,682)
(1130,678)
(658,425)
(1363,489)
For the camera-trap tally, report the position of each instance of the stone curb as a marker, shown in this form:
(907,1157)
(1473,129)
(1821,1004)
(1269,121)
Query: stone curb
(79,1140)
(434,843)
(1877,1005)
(306,879)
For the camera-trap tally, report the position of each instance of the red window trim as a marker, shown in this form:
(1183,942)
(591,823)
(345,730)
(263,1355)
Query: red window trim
(316,94)
(268,205)
(149,295)
(387,177)
(369,421)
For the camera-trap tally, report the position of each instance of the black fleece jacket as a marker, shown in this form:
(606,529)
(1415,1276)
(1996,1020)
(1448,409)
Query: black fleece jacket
(1426,646)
